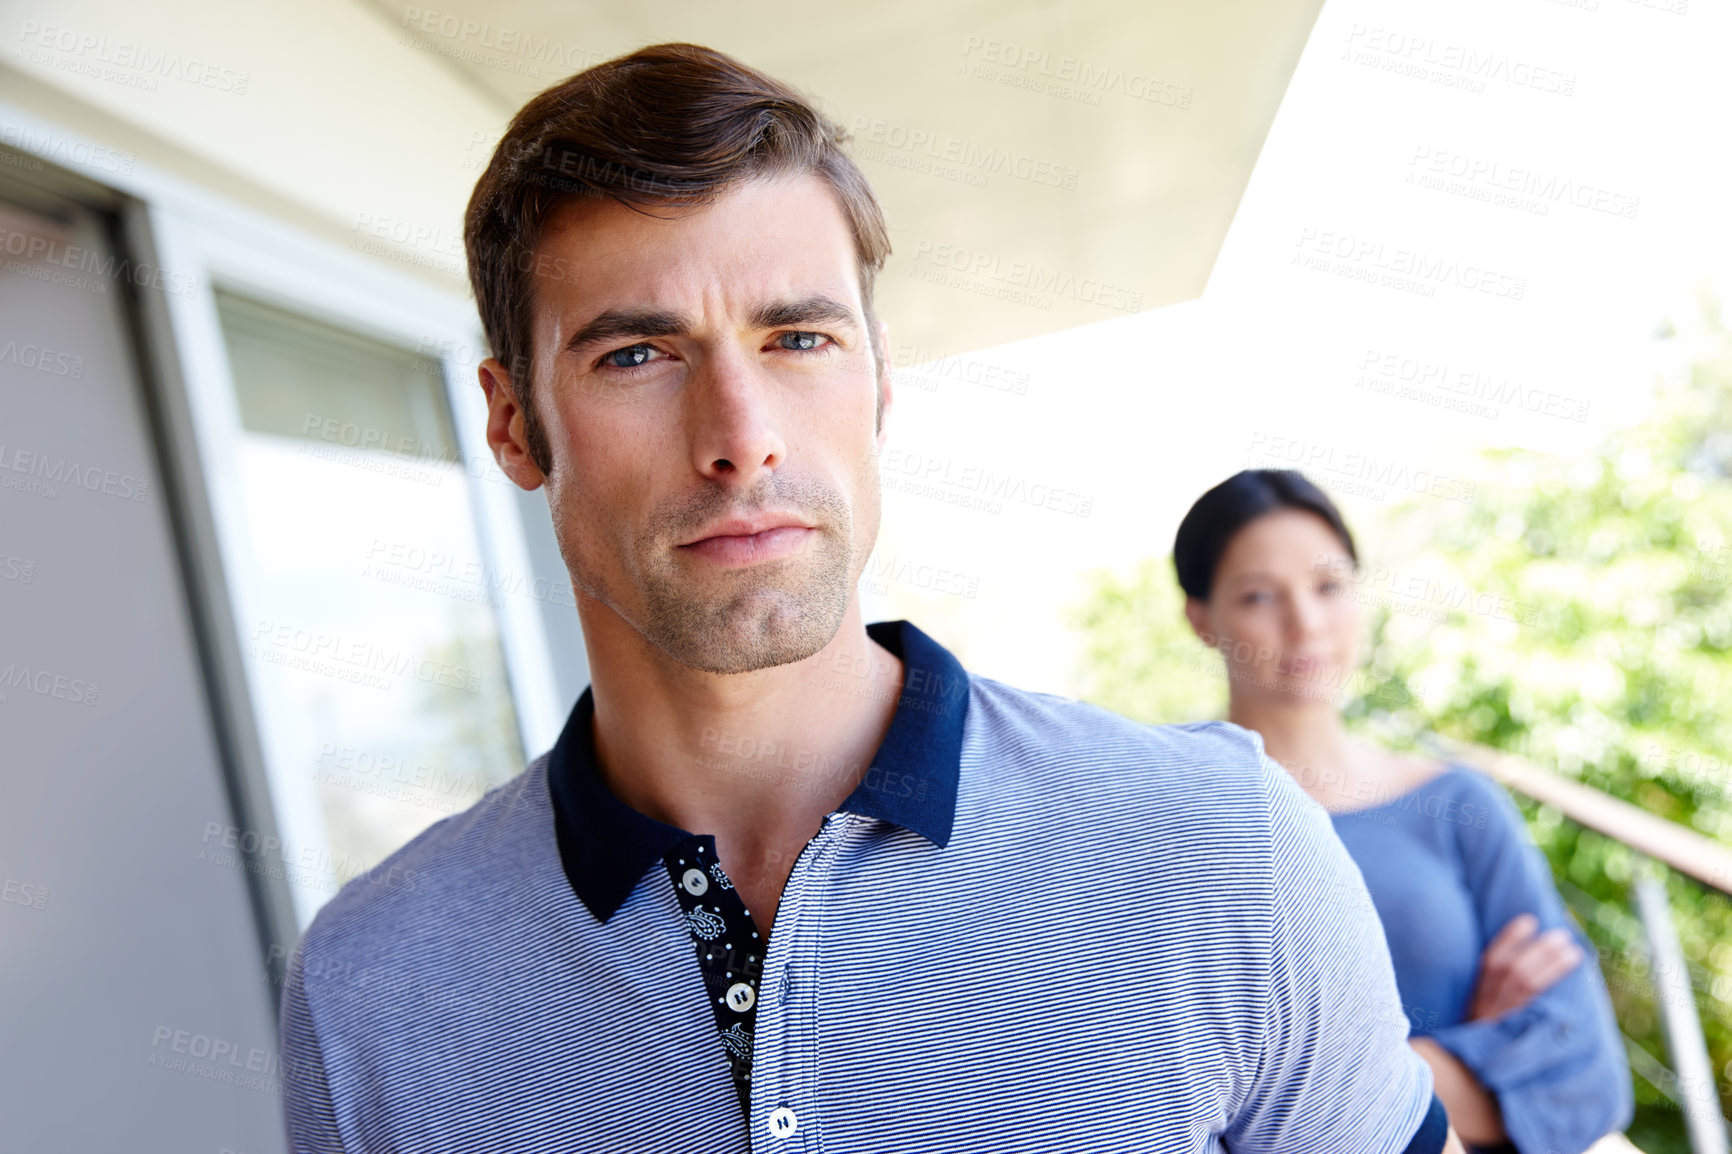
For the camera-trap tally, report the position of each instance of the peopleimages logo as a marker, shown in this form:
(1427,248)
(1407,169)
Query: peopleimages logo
(1370,259)
(1458,65)
(47,683)
(1069,77)
(1516,185)
(881,572)
(923,368)
(42,359)
(934,475)
(1435,379)
(72,153)
(126,62)
(992,161)
(987,270)
(499,39)
(65,471)
(34,248)
(1353,471)
(350,659)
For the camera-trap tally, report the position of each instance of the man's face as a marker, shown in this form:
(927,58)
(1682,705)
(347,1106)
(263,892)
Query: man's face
(707,390)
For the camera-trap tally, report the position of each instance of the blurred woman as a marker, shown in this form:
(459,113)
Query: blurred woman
(1504,1000)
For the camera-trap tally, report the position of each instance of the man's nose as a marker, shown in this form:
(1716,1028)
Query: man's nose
(733,418)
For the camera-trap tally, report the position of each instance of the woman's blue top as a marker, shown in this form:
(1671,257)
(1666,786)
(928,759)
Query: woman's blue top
(1448,864)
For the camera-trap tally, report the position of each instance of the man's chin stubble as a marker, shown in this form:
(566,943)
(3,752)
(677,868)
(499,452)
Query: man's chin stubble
(758,628)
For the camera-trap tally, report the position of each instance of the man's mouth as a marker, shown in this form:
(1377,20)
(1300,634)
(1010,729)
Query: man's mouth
(751,540)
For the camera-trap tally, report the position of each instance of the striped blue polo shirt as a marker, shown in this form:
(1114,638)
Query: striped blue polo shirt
(1034,926)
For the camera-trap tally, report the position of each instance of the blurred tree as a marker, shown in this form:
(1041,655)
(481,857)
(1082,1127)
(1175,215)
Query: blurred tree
(1577,613)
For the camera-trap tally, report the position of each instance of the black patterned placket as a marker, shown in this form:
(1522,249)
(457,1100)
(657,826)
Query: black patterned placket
(730,953)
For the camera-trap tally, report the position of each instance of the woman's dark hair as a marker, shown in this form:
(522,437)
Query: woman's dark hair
(1227,508)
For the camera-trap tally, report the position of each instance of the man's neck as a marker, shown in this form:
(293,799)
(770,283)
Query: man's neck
(755,759)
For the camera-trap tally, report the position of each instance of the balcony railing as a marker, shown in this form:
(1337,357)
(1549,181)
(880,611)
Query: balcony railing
(1666,845)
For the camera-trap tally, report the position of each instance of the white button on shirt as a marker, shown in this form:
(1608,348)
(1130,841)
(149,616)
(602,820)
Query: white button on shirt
(784,1123)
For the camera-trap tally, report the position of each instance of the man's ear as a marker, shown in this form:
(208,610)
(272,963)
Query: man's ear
(506,435)
(1197,613)
(884,376)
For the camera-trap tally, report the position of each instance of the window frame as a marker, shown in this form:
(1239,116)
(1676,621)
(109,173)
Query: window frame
(310,277)
(195,235)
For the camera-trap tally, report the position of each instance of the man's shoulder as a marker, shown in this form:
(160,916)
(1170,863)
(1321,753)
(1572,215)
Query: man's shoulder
(1200,764)
(1008,712)
(452,873)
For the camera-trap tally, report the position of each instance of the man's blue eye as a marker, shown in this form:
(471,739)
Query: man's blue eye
(802,342)
(629,357)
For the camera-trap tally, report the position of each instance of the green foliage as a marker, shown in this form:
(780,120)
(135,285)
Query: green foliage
(1141,658)
(1577,613)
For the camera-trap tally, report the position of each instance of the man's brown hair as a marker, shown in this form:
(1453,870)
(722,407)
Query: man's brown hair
(669,126)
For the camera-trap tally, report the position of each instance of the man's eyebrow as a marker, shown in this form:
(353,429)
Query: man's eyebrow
(617,324)
(811,310)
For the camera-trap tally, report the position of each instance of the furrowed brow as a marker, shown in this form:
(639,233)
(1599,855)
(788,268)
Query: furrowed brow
(812,310)
(618,325)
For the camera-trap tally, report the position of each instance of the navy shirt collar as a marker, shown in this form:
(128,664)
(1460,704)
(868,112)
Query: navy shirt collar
(605,845)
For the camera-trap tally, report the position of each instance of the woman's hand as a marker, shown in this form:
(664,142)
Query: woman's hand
(1519,964)
(1473,1110)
